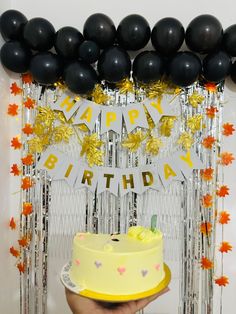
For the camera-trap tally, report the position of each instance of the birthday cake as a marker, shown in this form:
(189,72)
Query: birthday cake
(120,264)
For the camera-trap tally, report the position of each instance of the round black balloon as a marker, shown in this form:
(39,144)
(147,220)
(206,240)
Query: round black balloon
(233,72)
(39,34)
(133,32)
(184,68)
(148,67)
(67,42)
(89,51)
(101,29)
(114,64)
(167,35)
(80,77)
(204,34)
(46,68)
(229,40)
(11,24)
(15,56)
(216,66)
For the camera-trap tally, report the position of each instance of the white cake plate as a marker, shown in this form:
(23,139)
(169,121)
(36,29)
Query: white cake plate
(65,278)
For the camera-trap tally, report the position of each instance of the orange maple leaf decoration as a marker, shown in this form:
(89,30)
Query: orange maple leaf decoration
(222,281)
(224,217)
(27,160)
(15,143)
(228,129)
(206,263)
(12,110)
(26,183)
(21,267)
(211,87)
(225,247)
(24,241)
(223,191)
(27,78)
(207,174)
(211,112)
(27,129)
(206,228)
(29,103)
(15,170)
(208,142)
(27,209)
(226,158)
(12,223)
(207,200)
(15,89)
(14,252)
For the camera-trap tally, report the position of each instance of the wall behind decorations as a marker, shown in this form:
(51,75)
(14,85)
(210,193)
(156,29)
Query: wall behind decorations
(74,13)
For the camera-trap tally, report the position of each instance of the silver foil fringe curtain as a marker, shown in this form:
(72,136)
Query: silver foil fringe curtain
(60,212)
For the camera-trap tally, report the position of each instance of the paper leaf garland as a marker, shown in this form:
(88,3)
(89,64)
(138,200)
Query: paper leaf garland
(90,147)
(225,247)
(12,110)
(15,170)
(12,223)
(208,142)
(134,140)
(222,281)
(195,99)
(228,129)
(153,145)
(226,158)
(222,191)
(16,143)
(206,263)
(15,89)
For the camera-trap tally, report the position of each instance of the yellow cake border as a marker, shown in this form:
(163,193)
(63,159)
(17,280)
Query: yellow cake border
(122,298)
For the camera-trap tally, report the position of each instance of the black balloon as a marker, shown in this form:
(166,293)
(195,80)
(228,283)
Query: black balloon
(89,51)
(80,77)
(46,68)
(101,29)
(114,64)
(216,66)
(229,40)
(67,42)
(11,24)
(233,72)
(204,34)
(15,56)
(184,68)
(39,34)
(148,67)
(133,32)
(167,35)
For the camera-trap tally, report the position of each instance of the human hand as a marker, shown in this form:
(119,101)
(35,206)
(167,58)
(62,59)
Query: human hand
(82,305)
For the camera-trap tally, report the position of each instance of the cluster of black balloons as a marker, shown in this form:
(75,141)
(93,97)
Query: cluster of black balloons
(100,53)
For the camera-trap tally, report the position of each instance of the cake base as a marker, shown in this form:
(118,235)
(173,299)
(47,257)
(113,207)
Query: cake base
(65,278)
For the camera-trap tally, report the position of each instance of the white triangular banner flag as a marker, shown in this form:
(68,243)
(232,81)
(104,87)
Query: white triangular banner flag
(149,178)
(169,171)
(52,160)
(158,107)
(187,161)
(134,116)
(67,104)
(108,180)
(87,177)
(87,114)
(111,119)
(129,181)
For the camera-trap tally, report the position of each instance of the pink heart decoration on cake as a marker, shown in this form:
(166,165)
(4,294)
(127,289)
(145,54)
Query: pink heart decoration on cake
(121,270)
(98,264)
(157,266)
(77,262)
(144,272)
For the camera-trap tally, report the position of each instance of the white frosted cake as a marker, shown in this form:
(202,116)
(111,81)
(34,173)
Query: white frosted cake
(122,264)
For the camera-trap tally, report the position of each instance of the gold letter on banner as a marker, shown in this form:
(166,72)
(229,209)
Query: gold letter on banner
(146,175)
(157,105)
(168,171)
(110,117)
(88,175)
(128,181)
(187,159)
(133,115)
(68,171)
(66,104)
(108,176)
(87,115)
(51,162)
